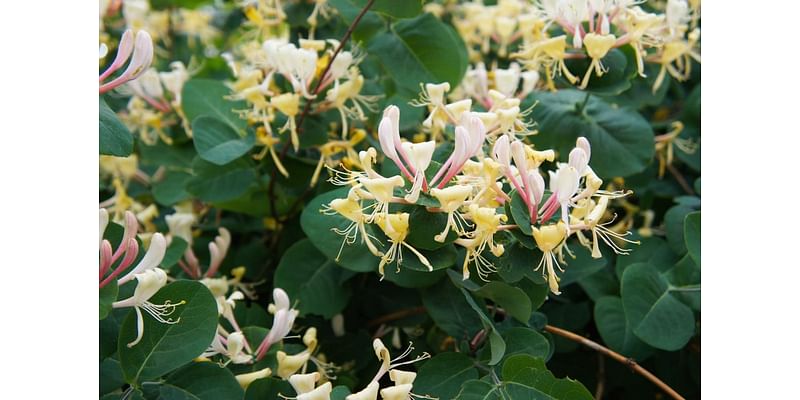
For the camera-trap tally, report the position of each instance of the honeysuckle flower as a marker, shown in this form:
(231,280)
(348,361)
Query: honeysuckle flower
(550,54)
(676,57)
(506,81)
(398,392)
(640,29)
(141,46)
(389,136)
(350,92)
(487,223)
(395,226)
(232,348)
(470,136)
(282,321)
(289,105)
(600,230)
(333,147)
(368,393)
(432,96)
(266,139)
(246,379)
(149,88)
(420,156)
(195,24)
(564,183)
(381,190)
(597,46)
(548,238)
(321,7)
(218,249)
(350,208)
(149,282)
(298,65)
(451,199)
(289,364)
(402,379)
(321,392)
(151,260)
(665,146)
(174,80)
(180,223)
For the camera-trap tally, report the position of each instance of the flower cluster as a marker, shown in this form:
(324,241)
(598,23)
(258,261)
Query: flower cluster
(403,380)
(548,32)
(259,66)
(469,186)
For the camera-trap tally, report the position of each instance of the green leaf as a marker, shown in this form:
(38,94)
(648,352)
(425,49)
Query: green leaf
(369,25)
(684,279)
(520,340)
(201,381)
(394,8)
(340,392)
(443,375)
(426,225)
(174,252)
(617,334)
(410,57)
(108,295)
(172,189)
(208,97)
(582,266)
(115,138)
(531,372)
(165,347)
(409,278)
(450,311)
(655,315)
(220,184)
(512,299)
(268,388)
(622,141)
(673,224)
(691,233)
(478,390)
(308,276)
(496,343)
(653,250)
(110,376)
(109,332)
(216,141)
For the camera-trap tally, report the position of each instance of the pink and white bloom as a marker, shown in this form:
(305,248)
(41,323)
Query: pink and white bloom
(141,46)
(282,322)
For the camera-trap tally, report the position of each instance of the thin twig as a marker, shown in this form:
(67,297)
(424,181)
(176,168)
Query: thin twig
(306,109)
(342,42)
(396,315)
(681,180)
(601,377)
(616,356)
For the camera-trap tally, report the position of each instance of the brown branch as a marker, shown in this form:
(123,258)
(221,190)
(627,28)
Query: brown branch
(307,108)
(601,377)
(616,356)
(681,180)
(396,315)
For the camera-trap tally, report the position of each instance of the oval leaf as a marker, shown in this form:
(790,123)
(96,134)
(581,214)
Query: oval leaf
(308,276)
(165,347)
(622,141)
(217,142)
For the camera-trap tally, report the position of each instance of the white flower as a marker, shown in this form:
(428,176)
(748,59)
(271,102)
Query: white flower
(151,260)
(150,282)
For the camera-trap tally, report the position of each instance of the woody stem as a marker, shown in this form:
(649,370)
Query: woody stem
(616,356)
